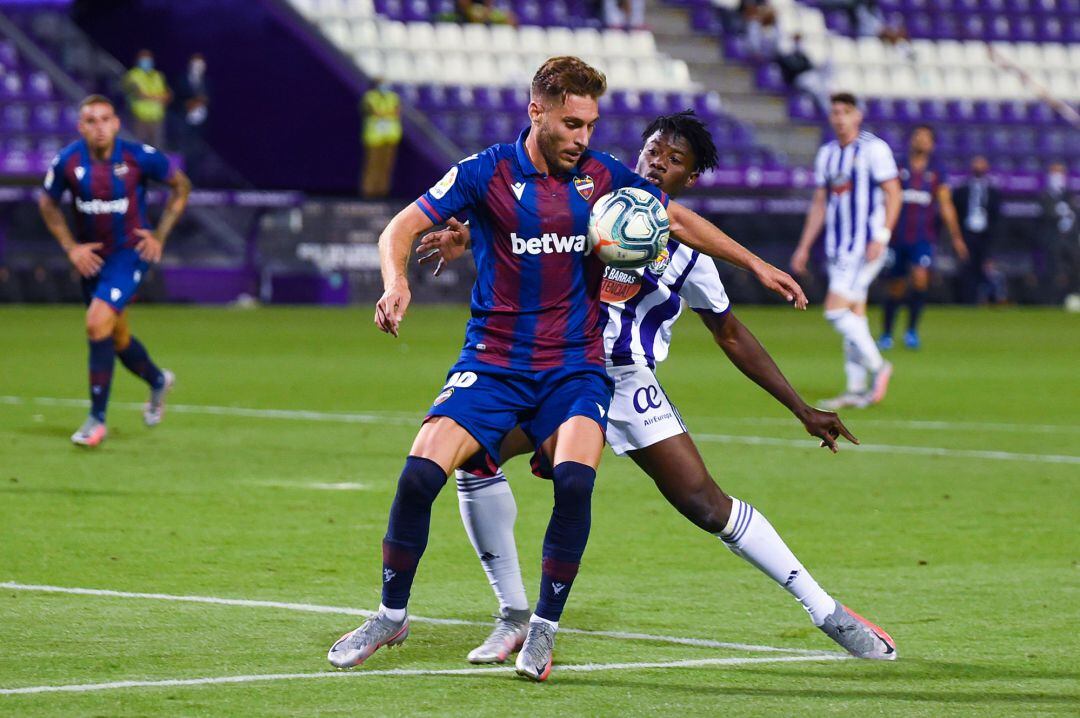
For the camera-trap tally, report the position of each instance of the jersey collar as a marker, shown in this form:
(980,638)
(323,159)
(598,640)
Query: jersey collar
(528,168)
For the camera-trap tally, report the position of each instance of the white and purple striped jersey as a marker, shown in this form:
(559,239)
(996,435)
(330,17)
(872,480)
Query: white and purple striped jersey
(853,175)
(641,306)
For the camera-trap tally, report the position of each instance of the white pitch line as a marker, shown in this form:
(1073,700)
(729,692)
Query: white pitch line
(906,424)
(341,610)
(896,449)
(400,672)
(398,419)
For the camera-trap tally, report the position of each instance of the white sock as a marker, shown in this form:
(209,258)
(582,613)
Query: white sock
(537,619)
(397,615)
(856,329)
(489,511)
(854,371)
(750,535)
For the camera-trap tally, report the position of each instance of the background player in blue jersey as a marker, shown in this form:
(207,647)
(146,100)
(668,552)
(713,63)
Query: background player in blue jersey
(112,246)
(533,346)
(927,196)
(643,423)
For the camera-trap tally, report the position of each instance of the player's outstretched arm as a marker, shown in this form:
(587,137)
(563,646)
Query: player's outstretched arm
(82,256)
(747,353)
(152,243)
(815,221)
(698,233)
(952,221)
(395,243)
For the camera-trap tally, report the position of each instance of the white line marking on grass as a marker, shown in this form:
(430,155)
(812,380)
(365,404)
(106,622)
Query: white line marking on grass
(315,608)
(407,672)
(895,449)
(398,419)
(905,424)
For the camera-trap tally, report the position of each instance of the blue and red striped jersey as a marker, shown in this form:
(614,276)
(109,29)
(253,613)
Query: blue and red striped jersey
(536,300)
(919,213)
(109,196)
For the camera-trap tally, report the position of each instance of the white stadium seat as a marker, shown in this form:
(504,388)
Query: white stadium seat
(503,39)
(616,43)
(365,34)
(448,37)
(950,53)
(398,66)
(338,31)
(393,35)
(371,62)
(587,41)
(560,40)
(641,43)
(531,39)
(476,37)
(421,36)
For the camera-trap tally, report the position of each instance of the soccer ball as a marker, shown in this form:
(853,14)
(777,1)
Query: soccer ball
(628,228)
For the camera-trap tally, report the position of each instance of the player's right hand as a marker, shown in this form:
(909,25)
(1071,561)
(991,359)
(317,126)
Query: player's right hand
(779,281)
(85,258)
(446,245)
(390,309)
(799,260)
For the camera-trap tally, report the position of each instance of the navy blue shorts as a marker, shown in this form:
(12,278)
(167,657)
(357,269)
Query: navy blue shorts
(488,401)
(117,281)
(903,256)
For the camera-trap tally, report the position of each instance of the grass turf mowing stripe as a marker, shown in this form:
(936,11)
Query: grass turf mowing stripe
(370,418)
(405,672)
(315,608)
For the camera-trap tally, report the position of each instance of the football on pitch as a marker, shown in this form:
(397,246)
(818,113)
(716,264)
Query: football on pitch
(628,228)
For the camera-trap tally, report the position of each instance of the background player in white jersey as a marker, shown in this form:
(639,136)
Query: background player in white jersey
(644,424)
(857,201)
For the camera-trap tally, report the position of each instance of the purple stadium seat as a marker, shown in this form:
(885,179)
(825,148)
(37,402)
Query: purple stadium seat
(554,12)
(1014,112)
(653,103)
(486,98)
(625,102)
(15,117)
(934,110)
(45,117)
(9,57)
(458,97)
(39,85)
(11,86)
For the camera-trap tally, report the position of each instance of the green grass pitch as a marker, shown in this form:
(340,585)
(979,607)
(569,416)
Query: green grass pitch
(954,527)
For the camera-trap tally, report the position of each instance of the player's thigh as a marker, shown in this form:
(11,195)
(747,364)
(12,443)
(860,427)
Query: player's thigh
(579,439)
(920,277)
(641,413)
(676,467)
(571,415)
(515,443)
(444,441)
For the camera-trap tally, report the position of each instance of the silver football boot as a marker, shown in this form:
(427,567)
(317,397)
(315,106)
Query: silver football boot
(534,661)
(154,410)
(857,636)
(355,647)
(506,638)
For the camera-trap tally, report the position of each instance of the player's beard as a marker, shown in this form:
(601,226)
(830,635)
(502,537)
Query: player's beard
(548,144)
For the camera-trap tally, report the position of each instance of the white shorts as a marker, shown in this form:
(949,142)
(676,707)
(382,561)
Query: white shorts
(640,414)
(850,276)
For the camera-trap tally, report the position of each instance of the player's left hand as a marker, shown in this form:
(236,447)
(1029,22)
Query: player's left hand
(446,245)
(826,425)
(149,246)
(780,282)
(962,253)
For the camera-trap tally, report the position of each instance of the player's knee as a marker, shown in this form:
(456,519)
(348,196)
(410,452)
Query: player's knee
(573,484)
(420,481)
(98,327)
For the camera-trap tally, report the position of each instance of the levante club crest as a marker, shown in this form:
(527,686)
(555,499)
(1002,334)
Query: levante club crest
(584,186)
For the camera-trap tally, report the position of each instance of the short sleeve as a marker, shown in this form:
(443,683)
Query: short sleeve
(623,176)
(154,164)
(882,163)
(820,167)
(55,181)
(458,190)
(703,290)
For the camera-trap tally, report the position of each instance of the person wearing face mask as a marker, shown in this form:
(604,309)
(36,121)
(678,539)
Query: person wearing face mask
(978,207)
(381,109)
(148,95)
(1059,233)
(194,96)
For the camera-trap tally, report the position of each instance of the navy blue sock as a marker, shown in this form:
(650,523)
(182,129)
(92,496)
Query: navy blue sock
(567,534)
(138,362)
(407,533)
(102,358)
(916,301)
(891,307)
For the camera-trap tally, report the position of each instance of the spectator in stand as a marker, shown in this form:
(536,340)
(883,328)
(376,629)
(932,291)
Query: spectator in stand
(484,11)
(978,206)
(9,287)
(381,109)
(194,96)
(148,95)
(1059,234)
(624,14)
(801,74)
(759,19)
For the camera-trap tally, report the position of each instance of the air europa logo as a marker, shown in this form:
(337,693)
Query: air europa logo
(550,243)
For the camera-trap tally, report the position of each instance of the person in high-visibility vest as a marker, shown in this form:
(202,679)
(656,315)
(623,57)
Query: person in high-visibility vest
(148,95)
(381,109)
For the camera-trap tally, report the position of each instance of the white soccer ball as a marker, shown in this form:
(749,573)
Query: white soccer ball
(628,228)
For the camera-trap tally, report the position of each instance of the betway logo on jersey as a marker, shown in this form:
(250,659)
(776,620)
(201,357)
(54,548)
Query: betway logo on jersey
(550,243)
(918,196)
(102,206)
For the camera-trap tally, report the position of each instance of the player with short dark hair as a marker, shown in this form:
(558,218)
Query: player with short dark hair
(927,197)
(644,424)
(533,345)
(112,247)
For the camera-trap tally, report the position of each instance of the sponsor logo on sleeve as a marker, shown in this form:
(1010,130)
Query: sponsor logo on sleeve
(443,186)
